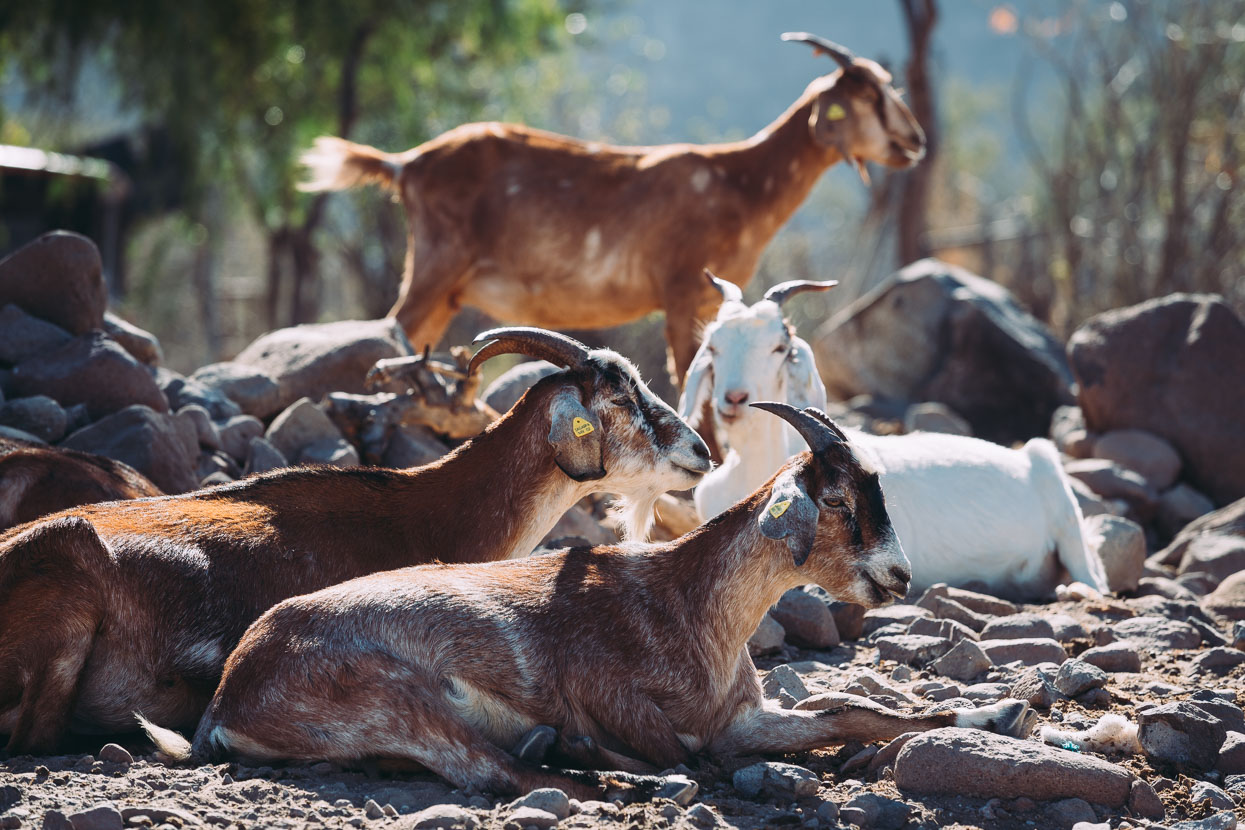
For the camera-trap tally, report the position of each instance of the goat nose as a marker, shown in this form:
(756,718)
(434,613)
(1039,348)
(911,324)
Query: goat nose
(700,450)
(901,574)
(736,396)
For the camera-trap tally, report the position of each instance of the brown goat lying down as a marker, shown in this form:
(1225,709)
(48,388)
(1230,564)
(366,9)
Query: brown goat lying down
(36,481)
(635,654)
(133,606)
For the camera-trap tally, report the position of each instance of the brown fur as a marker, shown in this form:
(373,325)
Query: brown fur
(635,654)
(544,229)
(164,587)
(37,481)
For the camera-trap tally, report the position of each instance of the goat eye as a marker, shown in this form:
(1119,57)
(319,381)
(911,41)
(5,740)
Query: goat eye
(832,503)
(780,349)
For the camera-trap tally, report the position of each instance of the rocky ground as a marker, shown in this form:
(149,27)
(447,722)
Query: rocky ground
(1164,663)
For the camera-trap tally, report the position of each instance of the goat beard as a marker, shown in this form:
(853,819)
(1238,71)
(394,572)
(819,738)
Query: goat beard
(859,164)
(634,515)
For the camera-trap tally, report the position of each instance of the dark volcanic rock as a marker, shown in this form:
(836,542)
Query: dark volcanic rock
(1180,733)
(58,278)
(935,332)
(312,360)
(1168,366)
(93,370)
(162,447)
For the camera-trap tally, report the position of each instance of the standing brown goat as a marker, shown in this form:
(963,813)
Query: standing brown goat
(636,654)
(36,481)
(133,606)
(539,228)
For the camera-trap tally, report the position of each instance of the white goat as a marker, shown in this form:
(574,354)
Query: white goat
(965,510)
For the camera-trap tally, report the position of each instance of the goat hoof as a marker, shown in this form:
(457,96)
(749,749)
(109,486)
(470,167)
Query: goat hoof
(630,789)
(534,747)
(678,788)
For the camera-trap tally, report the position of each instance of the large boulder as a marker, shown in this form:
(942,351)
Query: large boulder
(91,369)
(935,332)
(1213,544)
(969,762)
(23,336)
(162,447)
(1172,366)
(252,390)
(59,278)
(312,360)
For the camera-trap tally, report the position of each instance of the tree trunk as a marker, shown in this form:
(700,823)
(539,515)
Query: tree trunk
(920,15)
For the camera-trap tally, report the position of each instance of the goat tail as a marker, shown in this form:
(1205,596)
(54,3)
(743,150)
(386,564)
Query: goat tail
(171,747)
(338,164)
(1063,511)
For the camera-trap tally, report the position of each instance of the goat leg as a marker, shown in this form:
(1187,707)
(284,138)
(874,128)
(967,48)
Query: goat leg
(765,729)
(49,601)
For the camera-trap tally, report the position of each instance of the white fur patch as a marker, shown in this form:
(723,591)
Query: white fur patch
(592,243)
(1112,733)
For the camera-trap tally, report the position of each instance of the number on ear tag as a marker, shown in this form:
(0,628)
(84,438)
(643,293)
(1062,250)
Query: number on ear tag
(835,112)
(779,507)
(581,427)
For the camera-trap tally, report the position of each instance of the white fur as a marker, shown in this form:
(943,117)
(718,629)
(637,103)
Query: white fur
(964,509)
(1112,733)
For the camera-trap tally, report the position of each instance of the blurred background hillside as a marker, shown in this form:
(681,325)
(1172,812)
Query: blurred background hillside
(1084,154)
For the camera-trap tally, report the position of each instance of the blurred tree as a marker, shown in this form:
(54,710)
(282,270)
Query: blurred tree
(920,17)
(1139,179)
(242,85)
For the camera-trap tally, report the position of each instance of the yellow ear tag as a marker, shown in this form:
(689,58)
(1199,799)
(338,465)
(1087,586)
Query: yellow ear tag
(836,112)
(581,427)
(779,507)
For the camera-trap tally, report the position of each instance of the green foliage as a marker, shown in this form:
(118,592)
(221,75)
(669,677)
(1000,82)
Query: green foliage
(244,84)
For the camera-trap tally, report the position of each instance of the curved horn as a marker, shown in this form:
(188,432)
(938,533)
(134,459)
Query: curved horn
(818,436)
(729,291)
(786,290)
(841,54)
(820,415)
(533,342)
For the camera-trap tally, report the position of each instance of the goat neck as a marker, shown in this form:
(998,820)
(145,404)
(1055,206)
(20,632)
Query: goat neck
(777,167)
(506,507)
(725,588)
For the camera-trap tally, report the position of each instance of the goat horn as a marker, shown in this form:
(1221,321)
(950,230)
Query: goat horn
(729,291)
(817,434)
(533,342)
(841,54)
(825,419)
(786,290)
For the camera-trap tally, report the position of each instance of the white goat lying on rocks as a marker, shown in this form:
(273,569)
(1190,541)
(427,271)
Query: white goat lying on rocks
(966,510)
(634,654)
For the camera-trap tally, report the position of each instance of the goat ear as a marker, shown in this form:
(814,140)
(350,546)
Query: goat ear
(829,120)
(575,435)
(792,516)
(696,385)
(804,386)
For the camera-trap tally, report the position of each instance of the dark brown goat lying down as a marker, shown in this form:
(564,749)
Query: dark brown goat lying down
(37,481)
(133,606)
